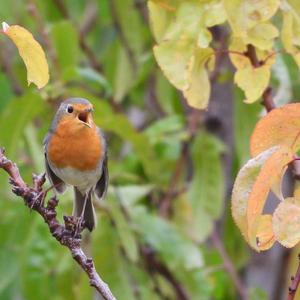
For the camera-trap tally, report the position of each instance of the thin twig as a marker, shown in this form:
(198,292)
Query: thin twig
(228,265)
(64,234)
(6,67)
(93,61)
(123,39)
(295,282)
(268,101)
(155,266)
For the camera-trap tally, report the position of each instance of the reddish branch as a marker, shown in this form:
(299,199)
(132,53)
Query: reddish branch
(295,282)
(267,102)
(64,234)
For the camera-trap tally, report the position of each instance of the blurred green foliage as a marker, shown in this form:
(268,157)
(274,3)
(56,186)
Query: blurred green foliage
(102,51)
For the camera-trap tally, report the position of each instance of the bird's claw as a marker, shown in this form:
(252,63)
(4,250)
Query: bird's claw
(79,226)
(40,198)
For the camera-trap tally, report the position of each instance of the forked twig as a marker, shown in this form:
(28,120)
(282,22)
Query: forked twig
(64,234)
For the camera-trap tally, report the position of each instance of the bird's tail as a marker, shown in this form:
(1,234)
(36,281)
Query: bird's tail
(89,215)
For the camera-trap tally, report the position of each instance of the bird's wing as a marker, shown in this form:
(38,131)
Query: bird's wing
(102,184)
(55,181)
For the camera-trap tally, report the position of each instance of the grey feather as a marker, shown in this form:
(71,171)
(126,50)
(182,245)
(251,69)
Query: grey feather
(55,181)
(89,215)
(102,184)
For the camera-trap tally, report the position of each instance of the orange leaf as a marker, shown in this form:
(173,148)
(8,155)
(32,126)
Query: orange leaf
(265,236)
(279,127)
(250,191)
(266,179)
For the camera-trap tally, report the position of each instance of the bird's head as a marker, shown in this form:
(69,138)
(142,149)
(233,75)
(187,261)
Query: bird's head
(76,112)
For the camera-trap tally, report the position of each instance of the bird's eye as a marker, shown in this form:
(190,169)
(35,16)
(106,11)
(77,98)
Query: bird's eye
(70,109)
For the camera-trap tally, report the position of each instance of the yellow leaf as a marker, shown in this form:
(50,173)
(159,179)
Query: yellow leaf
(239,60)
(286,222)
(244,14)
(297,188)
(290,35)
(173,58)
(198,91)
(165,4)
(262,36)
(160,20)
(204,38)
(279,127)
(214,14)
(265,236)
(253,81)
(31,53)
(251,189)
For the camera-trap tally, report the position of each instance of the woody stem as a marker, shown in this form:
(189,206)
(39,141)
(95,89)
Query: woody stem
(32,197)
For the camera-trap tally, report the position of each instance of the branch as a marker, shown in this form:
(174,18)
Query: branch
(64,234)
(268,101)
(123,39)
(155,266)
(61,6)
(228,265)
(295,282)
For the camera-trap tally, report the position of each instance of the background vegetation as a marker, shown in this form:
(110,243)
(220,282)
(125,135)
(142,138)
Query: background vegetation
(165,230)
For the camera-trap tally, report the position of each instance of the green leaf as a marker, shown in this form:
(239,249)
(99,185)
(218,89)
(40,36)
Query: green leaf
(64,37)
(14,118)
(6,91)
(245,119)
(124,76)
(124,231)
(109,260)
(174,248)
(206,190)
(35,149)
(130,194)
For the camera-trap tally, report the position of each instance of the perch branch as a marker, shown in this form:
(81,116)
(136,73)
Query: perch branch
(64,234)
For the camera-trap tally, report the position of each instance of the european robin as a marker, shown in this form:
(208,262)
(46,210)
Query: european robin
(75,154)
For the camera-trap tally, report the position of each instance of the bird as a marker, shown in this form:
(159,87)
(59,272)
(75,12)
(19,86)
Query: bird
(76,155)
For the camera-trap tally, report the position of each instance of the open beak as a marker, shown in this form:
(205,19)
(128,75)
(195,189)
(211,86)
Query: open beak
(84,117)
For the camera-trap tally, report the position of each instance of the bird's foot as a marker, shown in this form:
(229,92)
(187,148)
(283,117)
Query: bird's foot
(79,226)
(38,200)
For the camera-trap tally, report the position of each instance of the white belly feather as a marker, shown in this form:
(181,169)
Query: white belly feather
(83,180)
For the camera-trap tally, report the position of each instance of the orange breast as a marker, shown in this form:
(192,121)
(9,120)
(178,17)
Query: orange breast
(74,146)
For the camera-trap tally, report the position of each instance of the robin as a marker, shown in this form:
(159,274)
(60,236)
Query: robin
(75,154)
